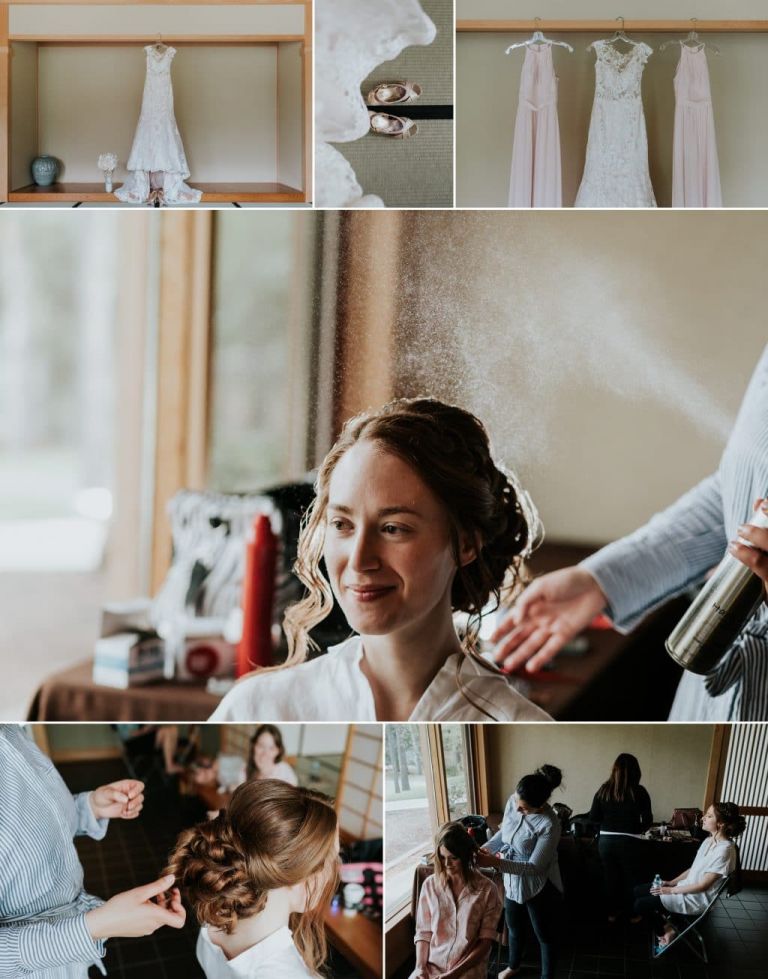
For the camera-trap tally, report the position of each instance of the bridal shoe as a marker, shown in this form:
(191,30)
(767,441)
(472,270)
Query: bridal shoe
(396,127)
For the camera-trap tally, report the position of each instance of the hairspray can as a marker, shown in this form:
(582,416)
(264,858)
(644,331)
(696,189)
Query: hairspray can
(718,613)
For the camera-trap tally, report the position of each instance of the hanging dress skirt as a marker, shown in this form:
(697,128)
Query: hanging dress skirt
(536,179)
(157,160)
(695,168)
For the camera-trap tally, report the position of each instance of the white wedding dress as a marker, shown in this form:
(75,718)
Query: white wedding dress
(157,161)
(616,168)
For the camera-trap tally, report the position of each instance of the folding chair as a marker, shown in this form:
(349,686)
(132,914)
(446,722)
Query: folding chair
(689,925)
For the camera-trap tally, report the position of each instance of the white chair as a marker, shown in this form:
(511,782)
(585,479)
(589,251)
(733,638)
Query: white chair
(687,927)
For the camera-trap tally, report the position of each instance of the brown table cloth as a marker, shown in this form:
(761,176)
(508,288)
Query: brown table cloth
(71,695)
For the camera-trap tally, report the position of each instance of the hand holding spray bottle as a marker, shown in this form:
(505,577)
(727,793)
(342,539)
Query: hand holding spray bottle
(719,612)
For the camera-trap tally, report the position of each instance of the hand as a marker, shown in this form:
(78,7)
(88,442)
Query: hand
(549,613)
(118,800)
(486,859)
(139,912)
(756,556)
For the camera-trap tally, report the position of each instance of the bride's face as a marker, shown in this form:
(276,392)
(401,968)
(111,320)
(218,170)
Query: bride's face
(388,546)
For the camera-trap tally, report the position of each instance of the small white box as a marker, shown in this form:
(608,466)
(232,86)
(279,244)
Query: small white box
(127,660)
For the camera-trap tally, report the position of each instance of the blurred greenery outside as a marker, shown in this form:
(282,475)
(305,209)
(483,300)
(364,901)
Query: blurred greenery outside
(255,281)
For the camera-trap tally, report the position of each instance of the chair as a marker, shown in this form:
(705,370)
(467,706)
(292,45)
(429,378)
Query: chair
(689,925)
(424,870)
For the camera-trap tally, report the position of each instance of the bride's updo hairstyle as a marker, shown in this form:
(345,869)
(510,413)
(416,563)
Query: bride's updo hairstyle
(448,448)
(271,835)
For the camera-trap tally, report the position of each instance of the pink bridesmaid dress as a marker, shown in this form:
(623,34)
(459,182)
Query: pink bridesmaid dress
(695,170)
(536,179)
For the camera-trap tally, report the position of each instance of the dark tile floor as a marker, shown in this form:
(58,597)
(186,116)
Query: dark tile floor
(735,933)
(134,853)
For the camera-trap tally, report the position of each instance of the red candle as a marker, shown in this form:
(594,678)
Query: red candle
(255,647)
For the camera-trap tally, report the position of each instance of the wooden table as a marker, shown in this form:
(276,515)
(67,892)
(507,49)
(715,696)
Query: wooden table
(71,695)
(358,939)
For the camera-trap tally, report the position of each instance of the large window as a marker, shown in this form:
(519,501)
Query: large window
(429,779)
(58,301)
(261,312)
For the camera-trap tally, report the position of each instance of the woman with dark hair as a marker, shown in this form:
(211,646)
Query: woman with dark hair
(622,807)
(691,891)
(458,914)
(415,522)
(527,842)
(266,752)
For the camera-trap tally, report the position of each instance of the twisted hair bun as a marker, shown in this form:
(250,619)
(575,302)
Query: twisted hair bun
(552,774)
(212,871)
(272,835)
(729,815)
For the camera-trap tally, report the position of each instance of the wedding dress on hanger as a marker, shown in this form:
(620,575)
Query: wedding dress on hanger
(352,38)
(616,168)
(157,162)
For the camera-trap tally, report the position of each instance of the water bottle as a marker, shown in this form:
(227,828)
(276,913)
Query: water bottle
(718,614)
(657,882)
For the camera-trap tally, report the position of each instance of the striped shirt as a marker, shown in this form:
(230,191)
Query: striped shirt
(527,843)
(43,933)
(676,549)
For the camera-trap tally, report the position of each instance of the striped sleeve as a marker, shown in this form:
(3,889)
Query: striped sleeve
(673,550)
(42,945)
(87,823)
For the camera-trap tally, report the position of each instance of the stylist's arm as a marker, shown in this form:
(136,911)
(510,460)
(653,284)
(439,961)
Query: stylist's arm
(138,912)
(551,611)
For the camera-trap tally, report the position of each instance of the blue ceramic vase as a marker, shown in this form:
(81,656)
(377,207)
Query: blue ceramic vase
(45,169)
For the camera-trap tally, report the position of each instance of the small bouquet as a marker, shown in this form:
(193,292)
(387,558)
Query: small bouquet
(107,163)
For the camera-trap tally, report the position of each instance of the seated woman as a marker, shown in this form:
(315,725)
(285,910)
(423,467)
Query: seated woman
(415,522)
(265,864)
(622,807)
(527,840)
(691,891)
(266,752)
(458,914)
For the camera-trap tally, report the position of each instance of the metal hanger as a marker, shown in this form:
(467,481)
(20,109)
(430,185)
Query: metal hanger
(619,35)
(692,40)
(158,45)
(538,38)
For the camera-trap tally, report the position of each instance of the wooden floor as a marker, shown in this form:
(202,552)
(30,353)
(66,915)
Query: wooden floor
(225,193)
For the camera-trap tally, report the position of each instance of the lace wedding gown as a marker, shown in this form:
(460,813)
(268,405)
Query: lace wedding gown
(616,169)
(157,160)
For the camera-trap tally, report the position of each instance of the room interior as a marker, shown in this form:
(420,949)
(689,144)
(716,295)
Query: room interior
(235,354)
(437,773)
(343,761)
(488,81)
(73,76)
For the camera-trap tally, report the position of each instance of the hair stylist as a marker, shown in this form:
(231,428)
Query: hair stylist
(674,550)
(49,925)
(527,840)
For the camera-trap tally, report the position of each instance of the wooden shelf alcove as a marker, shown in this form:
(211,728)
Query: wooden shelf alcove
(249,180)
